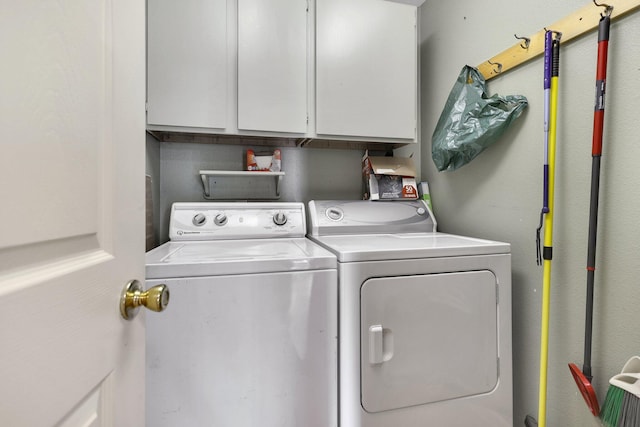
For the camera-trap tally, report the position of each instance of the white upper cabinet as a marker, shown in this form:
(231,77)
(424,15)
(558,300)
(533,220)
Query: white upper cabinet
(187,63)
(366,69)
(272,65)
(327,69)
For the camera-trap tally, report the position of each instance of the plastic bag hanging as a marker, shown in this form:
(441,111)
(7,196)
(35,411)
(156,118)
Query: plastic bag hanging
(471,120)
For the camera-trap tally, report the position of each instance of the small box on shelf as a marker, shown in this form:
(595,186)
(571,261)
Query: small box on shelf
(264,161)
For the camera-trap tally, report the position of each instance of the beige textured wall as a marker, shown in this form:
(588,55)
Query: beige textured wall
(498,195)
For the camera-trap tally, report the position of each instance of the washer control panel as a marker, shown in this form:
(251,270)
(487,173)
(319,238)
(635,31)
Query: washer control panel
(236,220)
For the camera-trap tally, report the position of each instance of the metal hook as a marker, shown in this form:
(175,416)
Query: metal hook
(557,34)
(499,70)
(527,40)
(608,9)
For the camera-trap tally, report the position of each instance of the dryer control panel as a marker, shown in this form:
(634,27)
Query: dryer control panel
(235,220)
(330,217)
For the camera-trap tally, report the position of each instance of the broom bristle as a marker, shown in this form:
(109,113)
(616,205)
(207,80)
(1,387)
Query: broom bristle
(630,413)
(612,406)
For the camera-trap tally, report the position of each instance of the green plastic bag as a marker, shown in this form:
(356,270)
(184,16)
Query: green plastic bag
(471,121)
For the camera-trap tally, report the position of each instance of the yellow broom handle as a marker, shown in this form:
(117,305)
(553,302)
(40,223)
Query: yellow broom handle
(546,265)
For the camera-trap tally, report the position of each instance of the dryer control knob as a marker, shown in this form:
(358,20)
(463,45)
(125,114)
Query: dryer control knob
(280,218)
(334,214)
(220,219)
(199,220)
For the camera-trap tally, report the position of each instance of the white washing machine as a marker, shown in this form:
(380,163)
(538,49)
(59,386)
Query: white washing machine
(424,320)
(250,336)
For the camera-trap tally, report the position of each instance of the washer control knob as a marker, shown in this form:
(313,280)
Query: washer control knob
(422,211)
(280,218)
(199,220)
(220,219)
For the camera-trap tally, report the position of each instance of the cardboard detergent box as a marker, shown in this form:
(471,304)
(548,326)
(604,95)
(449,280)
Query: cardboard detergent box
(389,178)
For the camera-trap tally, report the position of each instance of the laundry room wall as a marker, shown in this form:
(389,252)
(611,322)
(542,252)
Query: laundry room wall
(152,168)
(310,173)
(499,194)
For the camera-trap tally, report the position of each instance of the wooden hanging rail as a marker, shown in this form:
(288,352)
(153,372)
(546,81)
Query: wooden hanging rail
(581,21)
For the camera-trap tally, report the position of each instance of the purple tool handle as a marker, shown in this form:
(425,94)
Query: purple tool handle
(547,59)
(548,42)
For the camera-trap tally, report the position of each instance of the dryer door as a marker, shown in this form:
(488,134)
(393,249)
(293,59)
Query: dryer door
(428,338)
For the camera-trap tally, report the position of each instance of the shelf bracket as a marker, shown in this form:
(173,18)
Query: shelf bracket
(579,22)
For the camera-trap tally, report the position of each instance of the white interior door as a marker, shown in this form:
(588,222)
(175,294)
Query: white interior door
(71,224)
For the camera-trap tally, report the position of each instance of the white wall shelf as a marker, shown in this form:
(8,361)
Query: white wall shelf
(246,188)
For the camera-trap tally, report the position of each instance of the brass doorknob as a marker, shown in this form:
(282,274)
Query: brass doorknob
(133,296)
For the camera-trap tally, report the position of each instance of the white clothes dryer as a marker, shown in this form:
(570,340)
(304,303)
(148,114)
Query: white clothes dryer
(424,318)
(250,336)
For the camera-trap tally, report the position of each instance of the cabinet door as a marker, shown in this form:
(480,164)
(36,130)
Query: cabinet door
(272,65)
(187,63)
(366,68)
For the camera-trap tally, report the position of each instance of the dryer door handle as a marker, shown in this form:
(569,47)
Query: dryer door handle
(380,344)
(376,353)
(375,344)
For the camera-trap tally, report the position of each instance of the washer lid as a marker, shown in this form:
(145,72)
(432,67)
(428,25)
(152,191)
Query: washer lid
(224,257)
(380,247)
